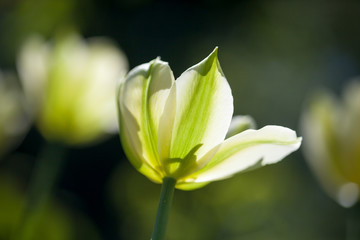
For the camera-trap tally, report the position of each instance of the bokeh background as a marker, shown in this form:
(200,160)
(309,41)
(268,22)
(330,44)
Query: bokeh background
(273,53)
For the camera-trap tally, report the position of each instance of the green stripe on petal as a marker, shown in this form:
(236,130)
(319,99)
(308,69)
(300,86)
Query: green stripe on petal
(142,100)
(204,107)
(131,145)
(245,151)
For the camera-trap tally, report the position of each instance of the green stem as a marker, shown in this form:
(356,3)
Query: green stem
(44,178)
(162,216)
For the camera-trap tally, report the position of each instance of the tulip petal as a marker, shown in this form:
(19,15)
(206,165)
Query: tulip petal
(247,150)
(190,186)
(204,107)
(142,100)
(166,122)
(239,124)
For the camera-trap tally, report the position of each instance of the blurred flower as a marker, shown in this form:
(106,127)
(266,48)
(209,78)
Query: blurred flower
(332,142)
(176,129)
(239,124)
(13,117)
(71,86)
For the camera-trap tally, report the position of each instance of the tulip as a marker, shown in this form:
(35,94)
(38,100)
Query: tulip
(177,128)
(70,85)
(173,131)
(331,128)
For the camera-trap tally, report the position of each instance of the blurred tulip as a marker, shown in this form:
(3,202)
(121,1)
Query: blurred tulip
(331,129)
(176,129)
(14,119)
(239,124)
(71,85)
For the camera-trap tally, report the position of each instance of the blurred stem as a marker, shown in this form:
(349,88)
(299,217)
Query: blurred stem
(44,178)
(162,216)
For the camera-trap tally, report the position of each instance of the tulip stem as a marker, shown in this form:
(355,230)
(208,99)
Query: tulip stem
(43,179)
(162,216)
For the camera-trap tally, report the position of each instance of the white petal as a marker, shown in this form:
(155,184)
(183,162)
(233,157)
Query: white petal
(204,107)
(247,150)
(142,100)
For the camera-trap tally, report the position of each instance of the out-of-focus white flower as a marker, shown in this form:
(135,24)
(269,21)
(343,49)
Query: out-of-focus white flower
(71,84)
(331,129)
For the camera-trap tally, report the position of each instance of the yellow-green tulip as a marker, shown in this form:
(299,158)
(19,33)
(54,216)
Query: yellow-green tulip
(71,86)
(176,129)
(332,142)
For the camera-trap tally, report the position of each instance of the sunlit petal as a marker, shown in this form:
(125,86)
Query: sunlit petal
(190,186)
(142,100)
(249,149)
(204,107)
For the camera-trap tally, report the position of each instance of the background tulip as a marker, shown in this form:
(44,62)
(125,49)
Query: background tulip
(331,128)
(71,84)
